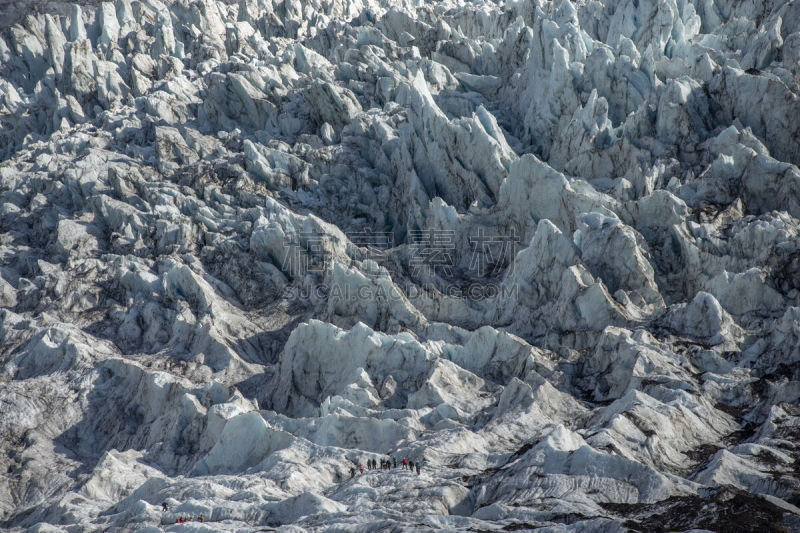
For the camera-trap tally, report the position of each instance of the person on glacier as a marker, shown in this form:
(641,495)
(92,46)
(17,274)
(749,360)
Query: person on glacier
(394,459)
(417,467)
(352,472)
(164,506)
(361,469)
(411,465)
(405,463)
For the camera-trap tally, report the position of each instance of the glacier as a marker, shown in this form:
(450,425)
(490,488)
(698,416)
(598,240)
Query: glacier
(547,250)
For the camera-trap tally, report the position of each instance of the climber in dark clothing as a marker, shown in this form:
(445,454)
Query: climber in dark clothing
(395,461)
(411,465)
(417,467)
(352,472)
(164,506)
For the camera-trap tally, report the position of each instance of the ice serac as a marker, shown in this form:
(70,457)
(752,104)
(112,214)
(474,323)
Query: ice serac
(552,289)
(244,441)
(458,160)
(549,251)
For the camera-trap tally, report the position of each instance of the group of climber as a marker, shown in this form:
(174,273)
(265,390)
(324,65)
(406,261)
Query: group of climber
(182,519)
(387,464)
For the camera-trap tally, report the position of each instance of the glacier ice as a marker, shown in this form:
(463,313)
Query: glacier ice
(547,250)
